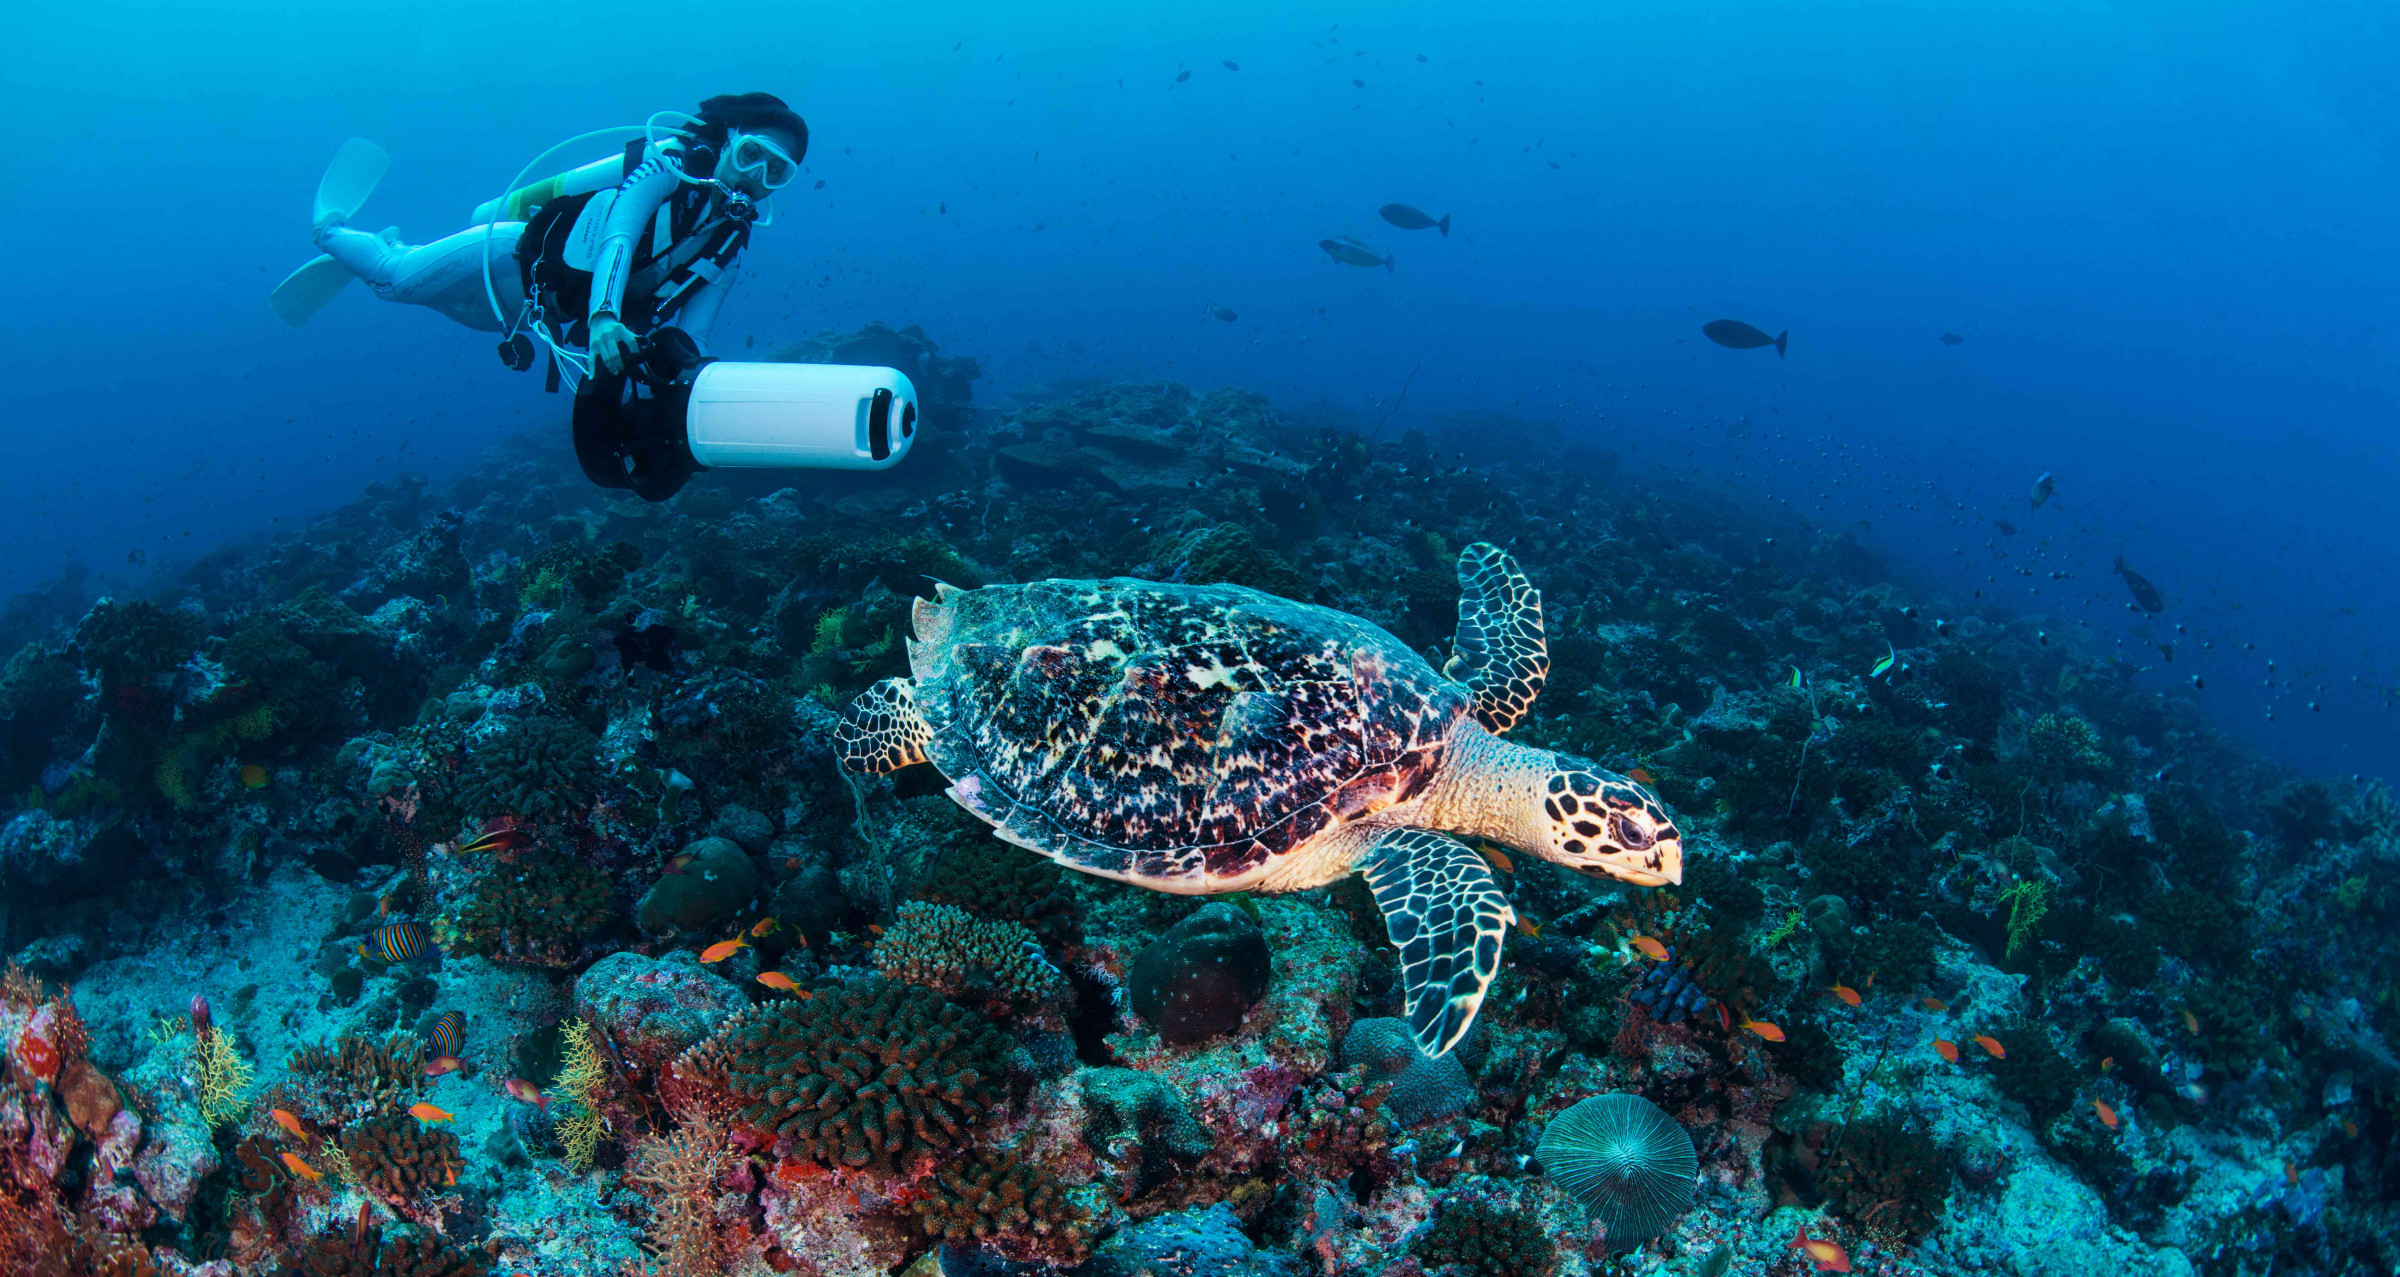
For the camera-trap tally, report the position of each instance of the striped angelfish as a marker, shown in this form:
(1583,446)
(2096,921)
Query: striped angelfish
(401,941)
(449,1035)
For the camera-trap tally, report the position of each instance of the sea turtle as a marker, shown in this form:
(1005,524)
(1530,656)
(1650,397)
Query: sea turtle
(1211,738)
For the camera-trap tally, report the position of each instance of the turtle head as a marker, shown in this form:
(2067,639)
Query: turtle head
(1597,822)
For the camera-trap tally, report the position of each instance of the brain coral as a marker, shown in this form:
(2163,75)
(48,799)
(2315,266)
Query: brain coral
(542,767)
(868,1074)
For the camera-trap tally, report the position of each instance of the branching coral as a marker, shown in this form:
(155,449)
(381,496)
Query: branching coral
(361,1250)
(398,1158)
(539,910)
(1477,1239)
(1889,1177)
(678,1173)
(990,1195)
(991,879)
(357,1078)
(945,948)
(541,768)
(868,1074)
(583,1082)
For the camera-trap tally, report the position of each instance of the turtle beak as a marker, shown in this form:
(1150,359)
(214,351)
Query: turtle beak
(1658,865)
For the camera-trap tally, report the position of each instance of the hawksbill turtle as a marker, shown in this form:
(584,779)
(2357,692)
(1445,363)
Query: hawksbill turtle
(1211,738)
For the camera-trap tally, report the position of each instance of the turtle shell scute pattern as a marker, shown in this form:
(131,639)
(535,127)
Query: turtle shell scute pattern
(1163,733)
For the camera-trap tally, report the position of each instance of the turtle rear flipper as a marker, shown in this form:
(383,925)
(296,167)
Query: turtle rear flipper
(881,731)
(1447,916)
(1499,654)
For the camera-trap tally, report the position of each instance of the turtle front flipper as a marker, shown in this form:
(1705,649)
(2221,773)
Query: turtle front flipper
(1446,916)
(881,731)
(1499,654)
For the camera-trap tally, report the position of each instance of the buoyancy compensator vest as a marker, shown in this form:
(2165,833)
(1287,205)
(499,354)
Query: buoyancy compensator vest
(691,240)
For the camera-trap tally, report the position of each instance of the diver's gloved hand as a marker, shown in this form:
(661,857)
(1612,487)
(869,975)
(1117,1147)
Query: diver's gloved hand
(613,344)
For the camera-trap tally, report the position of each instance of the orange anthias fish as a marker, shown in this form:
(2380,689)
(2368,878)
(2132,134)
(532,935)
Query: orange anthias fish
(303,1169)
(1845,993)
(1991,1046)
(1826,1253)
(2108,1116)
(1499,858)
(1641,776)
(1527,927)
(1651,948)
(428,1113)
(724,949)
(1946,1048)
(764,926)
(288,1122)
(2191,1022)
(1763,1029)
(2107,1062)
(1933,1004)
(778,980)
(526,1092)
(442,1064)
(2291,1172)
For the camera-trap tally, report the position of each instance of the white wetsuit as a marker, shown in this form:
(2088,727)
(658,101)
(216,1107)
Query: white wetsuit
(444,274)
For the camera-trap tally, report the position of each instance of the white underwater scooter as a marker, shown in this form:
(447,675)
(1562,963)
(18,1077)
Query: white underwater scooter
(675,412)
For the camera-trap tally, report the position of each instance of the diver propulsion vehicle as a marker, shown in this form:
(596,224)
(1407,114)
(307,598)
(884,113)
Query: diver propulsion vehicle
(675,412)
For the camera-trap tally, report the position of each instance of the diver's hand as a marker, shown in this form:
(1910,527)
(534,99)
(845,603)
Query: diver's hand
(613,344)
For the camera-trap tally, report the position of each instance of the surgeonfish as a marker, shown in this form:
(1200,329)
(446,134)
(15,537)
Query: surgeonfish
(1350,252)
(1733,334)
(1223,314)
(1409,219)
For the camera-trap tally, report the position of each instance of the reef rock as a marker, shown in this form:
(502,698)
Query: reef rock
(654,1010)
(1200,1242)
(1199,979)
(718,880)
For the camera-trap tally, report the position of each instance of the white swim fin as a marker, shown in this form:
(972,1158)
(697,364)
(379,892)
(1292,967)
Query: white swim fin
(349,180)
(305,291)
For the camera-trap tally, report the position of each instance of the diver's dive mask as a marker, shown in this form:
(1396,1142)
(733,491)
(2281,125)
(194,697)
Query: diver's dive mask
(755,159)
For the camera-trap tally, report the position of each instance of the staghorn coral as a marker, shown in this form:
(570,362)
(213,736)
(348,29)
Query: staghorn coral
(991,1195)
(678,1173)
(1890,1177)
(541,768)
(398,1158)
(864,1075)
(1477,1239)
(356,1078)
(945,948)
(538,910)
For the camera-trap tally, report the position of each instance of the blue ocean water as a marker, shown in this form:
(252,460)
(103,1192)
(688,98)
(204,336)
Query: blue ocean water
(2161,229)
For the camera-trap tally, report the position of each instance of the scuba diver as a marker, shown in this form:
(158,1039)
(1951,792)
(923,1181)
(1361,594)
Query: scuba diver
(618,268)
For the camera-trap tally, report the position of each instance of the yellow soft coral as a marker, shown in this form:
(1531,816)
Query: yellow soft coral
(2027,902)
(582,1078)
(221,1076)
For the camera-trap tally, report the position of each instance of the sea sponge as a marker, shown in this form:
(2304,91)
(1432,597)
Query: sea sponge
(865,1075)
(541,768)
(1890,1177)
(357,1078)
(538,910)
(1625,1159)
(1477,1239)
(947,949)
(399,1158)
(1202,977)
(991,1194)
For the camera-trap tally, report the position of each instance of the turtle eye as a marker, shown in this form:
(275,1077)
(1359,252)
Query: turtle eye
(1630,835)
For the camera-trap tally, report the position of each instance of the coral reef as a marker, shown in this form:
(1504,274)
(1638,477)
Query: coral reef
(715,880)
(1422,1088)
(398,1158)
(543,767)
(541,910)
(1472,1238)
(986,1196)
(991,965)
(869,1074)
